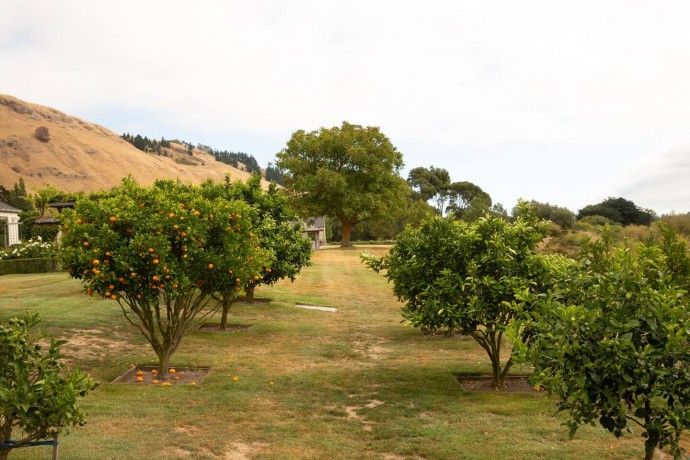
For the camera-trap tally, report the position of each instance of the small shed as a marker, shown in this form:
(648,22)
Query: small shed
(315,230)
(9,223)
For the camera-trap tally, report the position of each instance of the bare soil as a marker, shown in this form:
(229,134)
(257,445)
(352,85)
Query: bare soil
(181,376)
(228,327)
(484,383)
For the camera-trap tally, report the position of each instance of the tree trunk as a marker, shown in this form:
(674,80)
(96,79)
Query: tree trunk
(163,365)
(227,302)
(652,435)
(4,453)
(347,231)
(249,292)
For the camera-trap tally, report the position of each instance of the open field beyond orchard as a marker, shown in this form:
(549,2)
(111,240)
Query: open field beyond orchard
(355,384)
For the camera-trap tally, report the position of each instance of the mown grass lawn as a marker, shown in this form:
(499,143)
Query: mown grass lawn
(355,384)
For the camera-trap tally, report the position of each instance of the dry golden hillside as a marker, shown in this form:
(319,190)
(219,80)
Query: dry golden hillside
(82,156)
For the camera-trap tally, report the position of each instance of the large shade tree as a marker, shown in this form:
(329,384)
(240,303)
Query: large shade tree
(348,172)
(165,253)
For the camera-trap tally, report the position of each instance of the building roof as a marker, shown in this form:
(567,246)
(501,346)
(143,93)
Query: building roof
(62,204)
(4,207)
(46,220)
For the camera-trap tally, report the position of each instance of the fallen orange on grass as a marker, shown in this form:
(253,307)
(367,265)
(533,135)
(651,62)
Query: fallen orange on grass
(140,379)
(140,373)
(235,379)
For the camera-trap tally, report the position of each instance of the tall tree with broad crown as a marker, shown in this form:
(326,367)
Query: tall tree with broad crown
(348,172)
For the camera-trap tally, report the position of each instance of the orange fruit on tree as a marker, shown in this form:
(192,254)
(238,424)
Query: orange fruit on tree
(111,287)
(210,266)
(151,251)
(113,296)
(107,293)
(108,254)
(96,262)
(112,219)
(171,215)
(156,261)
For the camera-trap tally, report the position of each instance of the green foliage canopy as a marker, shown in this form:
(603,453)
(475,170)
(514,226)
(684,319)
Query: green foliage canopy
(619,210)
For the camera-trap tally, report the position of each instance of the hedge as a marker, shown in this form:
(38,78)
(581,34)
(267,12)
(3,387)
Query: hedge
(41,265)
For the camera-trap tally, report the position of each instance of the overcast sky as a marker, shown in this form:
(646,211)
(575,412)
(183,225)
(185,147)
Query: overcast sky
(559,101)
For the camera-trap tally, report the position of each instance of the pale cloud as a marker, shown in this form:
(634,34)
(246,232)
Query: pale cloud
(548,100)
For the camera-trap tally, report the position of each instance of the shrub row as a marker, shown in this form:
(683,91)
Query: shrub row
(39,265)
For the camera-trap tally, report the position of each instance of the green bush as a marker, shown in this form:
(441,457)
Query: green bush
(39,265)
(45,232)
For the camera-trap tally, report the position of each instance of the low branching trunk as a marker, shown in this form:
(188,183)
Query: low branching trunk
(249,292)
(6,435)
(225,306)
(652,435)
(164,323)
(490,341)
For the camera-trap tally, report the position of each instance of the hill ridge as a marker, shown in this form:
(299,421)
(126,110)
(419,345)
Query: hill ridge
(84,156)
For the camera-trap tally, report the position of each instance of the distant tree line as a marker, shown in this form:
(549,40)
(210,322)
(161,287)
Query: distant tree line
(145,144)
(235,158)
(274,174)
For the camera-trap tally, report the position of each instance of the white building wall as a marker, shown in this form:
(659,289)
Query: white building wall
(12,221)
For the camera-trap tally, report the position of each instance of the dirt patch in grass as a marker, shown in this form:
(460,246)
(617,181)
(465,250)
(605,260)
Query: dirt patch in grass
(484,383)
(256,300)
(228,327)
(181,376)
(85,344)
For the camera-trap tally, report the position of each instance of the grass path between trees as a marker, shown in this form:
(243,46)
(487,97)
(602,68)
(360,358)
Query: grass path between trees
(354,384)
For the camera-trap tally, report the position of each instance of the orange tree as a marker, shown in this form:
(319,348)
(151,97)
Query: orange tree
(165,253)
(612,340)
(275,225)
(466,276)
(38,394)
